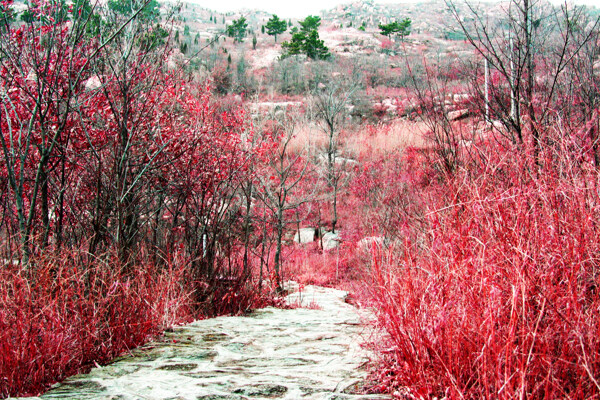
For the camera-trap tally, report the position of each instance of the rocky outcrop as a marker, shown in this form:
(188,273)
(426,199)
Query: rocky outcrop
(331,240)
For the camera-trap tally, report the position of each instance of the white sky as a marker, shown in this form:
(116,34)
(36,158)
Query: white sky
(302,8)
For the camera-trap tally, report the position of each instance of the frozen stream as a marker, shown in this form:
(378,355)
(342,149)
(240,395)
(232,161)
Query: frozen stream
(271,354)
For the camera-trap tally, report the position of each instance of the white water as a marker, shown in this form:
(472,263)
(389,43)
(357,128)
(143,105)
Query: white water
(302,353)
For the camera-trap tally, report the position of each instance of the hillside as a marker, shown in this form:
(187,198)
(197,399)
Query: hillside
(166,163)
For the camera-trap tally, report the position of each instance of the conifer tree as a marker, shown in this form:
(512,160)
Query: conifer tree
(275,26)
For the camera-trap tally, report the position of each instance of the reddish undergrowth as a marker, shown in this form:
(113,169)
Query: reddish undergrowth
(74,314)
(492,291)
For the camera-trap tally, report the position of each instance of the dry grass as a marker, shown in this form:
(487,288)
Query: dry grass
(307,136)
(372,142)
(367,143)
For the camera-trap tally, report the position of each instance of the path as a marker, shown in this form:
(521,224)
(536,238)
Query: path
(271,354)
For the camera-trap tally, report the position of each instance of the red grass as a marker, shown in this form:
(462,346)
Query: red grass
(309,265)
(72,316)
(494,293)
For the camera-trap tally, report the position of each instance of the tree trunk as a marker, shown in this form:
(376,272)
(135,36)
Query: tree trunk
(279,239)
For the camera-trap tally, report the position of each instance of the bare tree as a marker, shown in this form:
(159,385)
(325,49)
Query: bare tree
(44,65)
(531,48)
(279,184)
(331,108)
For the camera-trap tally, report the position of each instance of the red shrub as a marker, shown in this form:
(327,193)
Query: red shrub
(73,315)
(497,297)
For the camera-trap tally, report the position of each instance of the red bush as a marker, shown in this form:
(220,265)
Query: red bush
(73,315)
(494,294)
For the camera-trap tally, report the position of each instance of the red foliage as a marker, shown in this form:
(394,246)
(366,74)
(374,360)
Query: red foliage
(121,210)
(75,315)
(492,292)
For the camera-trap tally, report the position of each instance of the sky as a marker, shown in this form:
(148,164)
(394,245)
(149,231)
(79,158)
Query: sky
(302,8)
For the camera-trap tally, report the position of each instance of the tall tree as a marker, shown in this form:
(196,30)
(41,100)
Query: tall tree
(275,26)
(237,29)
(330,105)
(315,48)
(45,62)
(310,23)
(307,41)
(532,48)
(295,46)
(401,28)
(279,184)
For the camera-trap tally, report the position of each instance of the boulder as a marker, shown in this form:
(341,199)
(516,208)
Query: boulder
(92,83)
(339,161)
(458,114)
(305,235)
(331,240)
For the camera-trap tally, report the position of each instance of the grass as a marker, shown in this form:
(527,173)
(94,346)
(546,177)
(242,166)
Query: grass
(493,294)
(74,315)
(68,314)
(372,142)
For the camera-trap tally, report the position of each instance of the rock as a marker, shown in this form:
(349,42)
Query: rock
(339,161)
(461,98)
(458,114)
(305,235)
(331,240)
(179,367)
(265,390)
(92,83)
(311,352)
(346,161)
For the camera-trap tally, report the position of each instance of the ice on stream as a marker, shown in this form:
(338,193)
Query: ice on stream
(302,353)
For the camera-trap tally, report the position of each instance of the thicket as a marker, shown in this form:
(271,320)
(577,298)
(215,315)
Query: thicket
(489,287)
(123,207)
(124,176)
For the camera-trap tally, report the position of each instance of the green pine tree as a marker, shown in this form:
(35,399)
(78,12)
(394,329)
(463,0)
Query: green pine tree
(306,41)
(310,23)
(275,26)
(315,48)
(295,45)
(237,30)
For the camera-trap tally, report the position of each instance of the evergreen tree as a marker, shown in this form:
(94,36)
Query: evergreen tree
(275,26)
(315,48)
(306,41)
(237,29)
(310,23)
(401,28)
(295,45)
(404,27)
